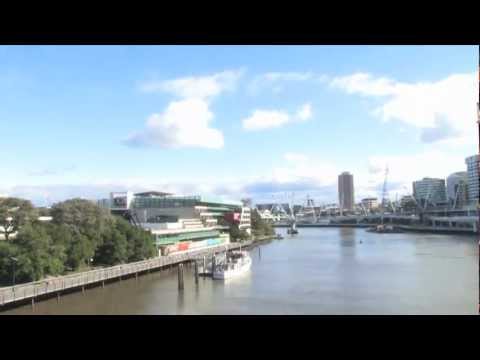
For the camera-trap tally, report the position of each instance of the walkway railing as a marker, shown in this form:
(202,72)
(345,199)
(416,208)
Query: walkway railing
(57,285)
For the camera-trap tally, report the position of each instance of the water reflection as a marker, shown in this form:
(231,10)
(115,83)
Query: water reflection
(347,243)
(180,301)
(347,234)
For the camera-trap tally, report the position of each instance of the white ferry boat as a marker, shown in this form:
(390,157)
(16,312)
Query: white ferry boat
(237,263)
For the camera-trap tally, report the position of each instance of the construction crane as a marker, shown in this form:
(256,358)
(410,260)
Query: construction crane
(290,205)
(364,209)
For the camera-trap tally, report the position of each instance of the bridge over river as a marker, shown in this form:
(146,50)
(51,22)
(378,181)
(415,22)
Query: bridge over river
(431,222)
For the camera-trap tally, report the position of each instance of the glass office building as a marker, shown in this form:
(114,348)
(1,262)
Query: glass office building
(472,179)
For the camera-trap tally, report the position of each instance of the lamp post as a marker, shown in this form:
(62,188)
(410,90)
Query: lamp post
(14,261)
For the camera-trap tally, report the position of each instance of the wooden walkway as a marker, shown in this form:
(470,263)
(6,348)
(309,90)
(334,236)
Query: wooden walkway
(32,290)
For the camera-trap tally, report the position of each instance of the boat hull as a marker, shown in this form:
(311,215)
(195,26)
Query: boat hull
(231,273)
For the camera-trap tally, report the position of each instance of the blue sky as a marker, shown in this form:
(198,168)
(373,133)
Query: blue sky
(259,121)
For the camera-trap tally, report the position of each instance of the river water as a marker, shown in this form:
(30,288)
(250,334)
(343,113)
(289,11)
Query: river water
(319,271)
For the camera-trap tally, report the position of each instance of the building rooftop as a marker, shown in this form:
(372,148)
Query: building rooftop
(152,193)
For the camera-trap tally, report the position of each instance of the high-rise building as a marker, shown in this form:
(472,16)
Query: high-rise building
(346,191)
(472,178)
(407,204)
(430,190)
(370,203)
(457,192)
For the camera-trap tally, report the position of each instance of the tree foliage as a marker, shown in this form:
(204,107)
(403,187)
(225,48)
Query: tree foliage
(15,213)
(36,252)
(238,235)
(260,227)
(79,231)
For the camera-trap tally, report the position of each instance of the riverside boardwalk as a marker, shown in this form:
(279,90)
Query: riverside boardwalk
(55,286)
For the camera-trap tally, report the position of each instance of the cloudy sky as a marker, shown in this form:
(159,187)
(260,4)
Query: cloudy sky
(234,121)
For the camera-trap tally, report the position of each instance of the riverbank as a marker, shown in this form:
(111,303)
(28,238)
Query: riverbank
(54,287)
(324,225)
(256,241)
(407,228)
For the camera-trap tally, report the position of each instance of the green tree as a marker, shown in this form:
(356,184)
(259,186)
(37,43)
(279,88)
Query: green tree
(85,227)
(260,227)
(80,231)
(113,249)
(43,211)
(7,251)
(37,254)
(15,213)
(238,235)
(140,243)
(143,246)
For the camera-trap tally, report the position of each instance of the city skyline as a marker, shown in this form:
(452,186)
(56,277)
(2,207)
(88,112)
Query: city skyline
(237,121)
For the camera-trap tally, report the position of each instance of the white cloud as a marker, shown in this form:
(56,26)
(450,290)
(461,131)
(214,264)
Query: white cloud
(300,168)
(443,110)
(364,84)
(185,123)
(276,80)
(403,170)
(305,112)
(197,86)
(298,173)
(267,119)
(287,76)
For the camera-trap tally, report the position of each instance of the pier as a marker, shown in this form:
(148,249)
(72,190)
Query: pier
(30,292)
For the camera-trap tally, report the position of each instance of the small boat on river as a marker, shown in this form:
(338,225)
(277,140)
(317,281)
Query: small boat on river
(236,263)
(292,230)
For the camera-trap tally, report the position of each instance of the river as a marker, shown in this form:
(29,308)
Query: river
(319,271)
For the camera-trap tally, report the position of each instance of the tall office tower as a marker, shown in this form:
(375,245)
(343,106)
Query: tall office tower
(346,198)
(472,178)
(430,190)
(457,188)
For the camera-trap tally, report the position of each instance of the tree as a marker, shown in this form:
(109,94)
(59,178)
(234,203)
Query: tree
(37,254)
(85,225)
(143,246)
(7,251)
(80,231)
(140,243)
(82,215)
(238,235)
(15,213)
(260,227)
(113,249)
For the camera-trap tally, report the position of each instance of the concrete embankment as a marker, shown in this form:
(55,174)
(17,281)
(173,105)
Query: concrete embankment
(437,230)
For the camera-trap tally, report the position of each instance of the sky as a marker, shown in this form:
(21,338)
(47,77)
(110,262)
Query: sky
(274,123)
